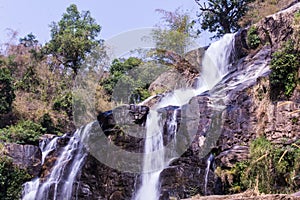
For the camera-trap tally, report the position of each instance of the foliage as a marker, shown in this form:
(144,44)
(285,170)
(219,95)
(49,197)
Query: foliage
(73,37)
(174,33)
(47,123)
(270,169)
(24,132)
(29,40)
(222,16)
(117,70)
(284,74)
(258,173)
(253,39)
(11,179)
(64,103)
(6,91)
(130,79)
(29,81)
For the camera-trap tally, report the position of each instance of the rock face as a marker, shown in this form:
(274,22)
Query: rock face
(182,75)
(278,28)
(27,157)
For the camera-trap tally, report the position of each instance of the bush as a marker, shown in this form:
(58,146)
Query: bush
(25,132)
(47,123)
(6,91)
(270,169)
(29,81)
(253,39)
(11,179)
(64,103)
(128,81)
(284,66)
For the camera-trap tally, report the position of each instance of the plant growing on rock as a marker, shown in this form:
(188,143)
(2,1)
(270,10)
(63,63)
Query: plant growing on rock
(253,39)
(284,74)
(270,169)
(25,132)
(11,179)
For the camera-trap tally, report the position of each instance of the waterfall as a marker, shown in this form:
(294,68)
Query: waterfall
(31,187)
(208,164)
(154,158)
(215,66)
(59,183)
(63,174)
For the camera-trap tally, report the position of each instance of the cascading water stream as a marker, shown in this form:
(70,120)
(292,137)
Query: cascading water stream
(62,176)
(215,66)
(154,159)
(208,165)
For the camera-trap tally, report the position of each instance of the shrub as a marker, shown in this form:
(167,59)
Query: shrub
(270,169)
(6,91)
(253,39)
(284,66)
(64,103)
(47,123)
(25,132)
(11,179)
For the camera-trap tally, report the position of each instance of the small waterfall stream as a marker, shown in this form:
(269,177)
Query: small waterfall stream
(60,180)
(208,165)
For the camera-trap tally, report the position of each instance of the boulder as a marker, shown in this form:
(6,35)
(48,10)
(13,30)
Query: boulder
(26,157)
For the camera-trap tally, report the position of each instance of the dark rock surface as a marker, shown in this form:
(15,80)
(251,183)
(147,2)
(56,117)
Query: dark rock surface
(27,157)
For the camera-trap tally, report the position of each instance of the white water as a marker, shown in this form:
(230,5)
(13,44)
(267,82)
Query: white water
(154,158)
(64,171)
(215,66)
(208,164)
(30,188)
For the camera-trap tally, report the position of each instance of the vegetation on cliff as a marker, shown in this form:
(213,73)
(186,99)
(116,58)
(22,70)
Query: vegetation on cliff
(270,169)
(11,178)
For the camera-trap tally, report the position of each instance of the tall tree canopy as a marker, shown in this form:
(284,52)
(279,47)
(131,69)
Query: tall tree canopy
(73,37)
(221,16)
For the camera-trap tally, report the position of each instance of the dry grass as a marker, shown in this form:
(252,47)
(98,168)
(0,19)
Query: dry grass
(262,8)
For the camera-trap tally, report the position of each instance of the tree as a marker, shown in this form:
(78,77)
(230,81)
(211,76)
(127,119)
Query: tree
(174,34)
(7,94)
(221,16)
(73,37)
(29,40)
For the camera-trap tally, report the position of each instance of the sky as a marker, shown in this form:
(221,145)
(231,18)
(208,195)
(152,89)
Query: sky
(114,16)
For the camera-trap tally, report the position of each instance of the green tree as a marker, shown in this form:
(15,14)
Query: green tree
(29,40)
(130,79)
(73,37)
(221,16)
(173,35)
(6,91)
(117,70)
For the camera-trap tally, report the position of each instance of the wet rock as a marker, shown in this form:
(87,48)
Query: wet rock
(121,115)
